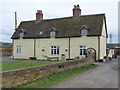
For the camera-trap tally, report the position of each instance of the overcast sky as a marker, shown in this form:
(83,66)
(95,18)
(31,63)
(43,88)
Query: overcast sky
(26,10)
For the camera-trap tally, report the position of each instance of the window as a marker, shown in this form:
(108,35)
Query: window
(21,34)
(84,30)
(55,50)
(52,33)
(18,50)
(82,50)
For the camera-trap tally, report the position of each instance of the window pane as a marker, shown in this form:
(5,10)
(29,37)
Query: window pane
(57,51)
(54,50)
(82,50)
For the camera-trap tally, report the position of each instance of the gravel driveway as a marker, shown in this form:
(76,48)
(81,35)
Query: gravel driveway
(104,76)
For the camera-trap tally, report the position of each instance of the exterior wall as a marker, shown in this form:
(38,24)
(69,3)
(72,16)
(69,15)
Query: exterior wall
(104,29)
(27,50)
(102,47)
(87,41)
(28,47)
(103,42)
(46,45)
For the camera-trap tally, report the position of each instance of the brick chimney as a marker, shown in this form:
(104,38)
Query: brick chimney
(76,11)
(39,15)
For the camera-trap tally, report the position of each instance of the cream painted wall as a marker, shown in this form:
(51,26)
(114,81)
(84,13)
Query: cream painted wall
(47,43)
(102,47)
(27,50)
(87,41)
(103,41)
(104,29)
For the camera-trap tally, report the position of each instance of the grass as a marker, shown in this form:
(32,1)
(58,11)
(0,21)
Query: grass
(51,80)
(11,65)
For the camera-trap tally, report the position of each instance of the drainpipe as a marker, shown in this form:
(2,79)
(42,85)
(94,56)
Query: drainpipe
(69,48)
(98,47)
(34,47)
(13,48)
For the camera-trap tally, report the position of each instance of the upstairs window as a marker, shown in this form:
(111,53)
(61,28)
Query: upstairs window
(84,30)
(18,49)
(55,50)
(53,32)
(22,33)
(82,50)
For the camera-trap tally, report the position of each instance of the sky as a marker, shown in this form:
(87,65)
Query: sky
(26,10)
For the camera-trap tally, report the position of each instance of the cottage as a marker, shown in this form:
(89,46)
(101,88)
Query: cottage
(67,36)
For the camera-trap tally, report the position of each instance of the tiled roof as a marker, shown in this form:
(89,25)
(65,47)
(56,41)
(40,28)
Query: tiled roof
(65,27)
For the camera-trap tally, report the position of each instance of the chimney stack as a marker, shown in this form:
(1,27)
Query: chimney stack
(39,15)
(76,11)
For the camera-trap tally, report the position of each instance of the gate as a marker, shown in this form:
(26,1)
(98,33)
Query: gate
(91,51)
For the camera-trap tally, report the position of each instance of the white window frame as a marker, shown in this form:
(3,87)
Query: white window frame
(52,33)
(21,34)
(82,50)
(55,50)
(18,49)
(84,32)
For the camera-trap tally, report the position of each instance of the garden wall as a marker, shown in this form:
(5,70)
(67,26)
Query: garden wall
(19,76)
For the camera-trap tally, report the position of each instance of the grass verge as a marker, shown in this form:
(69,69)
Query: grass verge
(12,65)
(51,80)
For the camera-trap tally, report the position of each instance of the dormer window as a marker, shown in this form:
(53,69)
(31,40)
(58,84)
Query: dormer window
(22,33)
(53,32)
(84,30)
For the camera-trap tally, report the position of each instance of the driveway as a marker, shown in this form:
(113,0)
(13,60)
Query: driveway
(104,76)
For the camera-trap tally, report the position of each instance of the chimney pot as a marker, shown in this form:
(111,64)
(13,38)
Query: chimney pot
(39,11)
(74,6)
(77,6)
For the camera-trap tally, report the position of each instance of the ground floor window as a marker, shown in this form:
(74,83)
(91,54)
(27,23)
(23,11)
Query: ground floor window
(18,49)
(82,50)
(55,50)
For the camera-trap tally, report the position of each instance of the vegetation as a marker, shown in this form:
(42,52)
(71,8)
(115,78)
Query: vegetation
(51,80)
(11,65)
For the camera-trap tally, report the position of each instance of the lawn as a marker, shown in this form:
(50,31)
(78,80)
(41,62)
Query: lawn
(11,65)
(51,80)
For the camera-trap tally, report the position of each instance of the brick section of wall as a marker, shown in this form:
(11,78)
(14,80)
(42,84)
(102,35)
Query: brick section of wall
(19,76)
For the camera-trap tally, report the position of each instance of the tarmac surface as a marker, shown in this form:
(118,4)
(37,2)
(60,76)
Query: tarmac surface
(104,76)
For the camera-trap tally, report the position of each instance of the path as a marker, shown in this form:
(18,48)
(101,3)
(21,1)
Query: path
(104,76)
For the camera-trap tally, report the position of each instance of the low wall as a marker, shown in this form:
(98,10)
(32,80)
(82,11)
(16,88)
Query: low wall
(19,76)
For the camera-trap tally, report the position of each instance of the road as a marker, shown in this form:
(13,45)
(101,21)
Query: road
(104,76)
